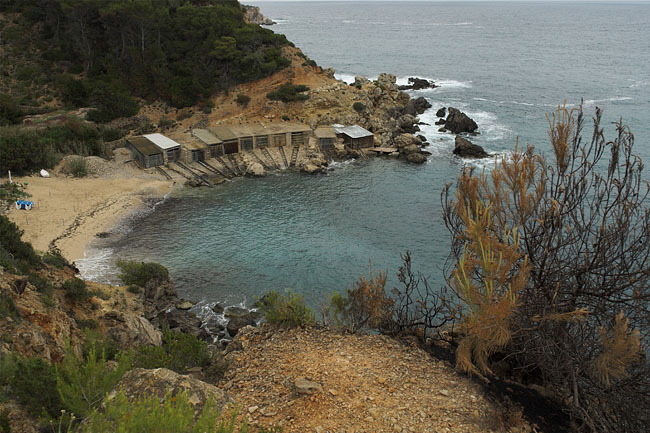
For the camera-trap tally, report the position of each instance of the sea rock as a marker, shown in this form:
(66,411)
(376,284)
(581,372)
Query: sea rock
(440,121)
(237,323)
(184,305)
(304,386)
(405,140)
(255,169)
(218,308)
(183,321)
(442,112)
(416,158)
(233,311)
(311,168)
(418,84)
(140,382)
(411,148)
(466,149)
(458,122)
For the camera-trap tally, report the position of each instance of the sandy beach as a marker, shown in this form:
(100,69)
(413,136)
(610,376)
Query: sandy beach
(69,212)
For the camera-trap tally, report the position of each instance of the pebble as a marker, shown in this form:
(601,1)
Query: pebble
(252,409)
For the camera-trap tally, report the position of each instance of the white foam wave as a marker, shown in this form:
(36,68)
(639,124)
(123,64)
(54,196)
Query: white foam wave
(441,82)
(340,164)
(638,83)
(590,102)
(346,78)
(96,265)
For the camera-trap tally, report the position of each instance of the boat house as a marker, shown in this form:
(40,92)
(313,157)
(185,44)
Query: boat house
(354,136)
(227,139)
(145,152)
(171,149)
(326,137)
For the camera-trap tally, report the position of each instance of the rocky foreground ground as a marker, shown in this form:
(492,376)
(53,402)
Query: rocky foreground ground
(317,380)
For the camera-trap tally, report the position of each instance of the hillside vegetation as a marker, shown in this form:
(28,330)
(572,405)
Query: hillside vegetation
(63,54)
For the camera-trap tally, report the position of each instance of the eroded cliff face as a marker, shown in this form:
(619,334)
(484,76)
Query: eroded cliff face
(45,317)
(252,15)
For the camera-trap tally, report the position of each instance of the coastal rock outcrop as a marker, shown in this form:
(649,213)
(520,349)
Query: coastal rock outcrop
(442,112)
(466,149)
(458,122)
(252,15)
(140,382)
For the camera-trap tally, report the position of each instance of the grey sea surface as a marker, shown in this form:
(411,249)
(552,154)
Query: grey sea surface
(505,64)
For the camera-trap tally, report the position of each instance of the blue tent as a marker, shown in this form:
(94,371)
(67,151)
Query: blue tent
(24,204)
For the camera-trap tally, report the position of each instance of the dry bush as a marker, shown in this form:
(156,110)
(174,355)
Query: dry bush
(581,321)
(366,305)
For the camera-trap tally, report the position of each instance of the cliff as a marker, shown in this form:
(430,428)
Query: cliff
(252,15)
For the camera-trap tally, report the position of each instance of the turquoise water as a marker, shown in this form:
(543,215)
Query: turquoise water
(505,64)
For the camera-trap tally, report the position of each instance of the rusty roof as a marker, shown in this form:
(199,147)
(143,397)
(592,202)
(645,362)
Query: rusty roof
(144,146)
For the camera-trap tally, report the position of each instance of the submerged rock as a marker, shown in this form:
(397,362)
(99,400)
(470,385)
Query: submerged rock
(458,122)
(466,149)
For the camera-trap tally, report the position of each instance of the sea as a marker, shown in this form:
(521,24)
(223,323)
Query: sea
(506,64)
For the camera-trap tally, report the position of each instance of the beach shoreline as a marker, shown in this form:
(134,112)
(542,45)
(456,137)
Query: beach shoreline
(68,213)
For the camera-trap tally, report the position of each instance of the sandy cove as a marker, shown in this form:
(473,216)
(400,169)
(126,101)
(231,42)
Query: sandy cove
(69,212)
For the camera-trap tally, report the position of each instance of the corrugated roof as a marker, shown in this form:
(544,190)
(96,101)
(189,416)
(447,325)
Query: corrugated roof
(206,136)
(325,132)
(161,141)
(354,131)
(144,146)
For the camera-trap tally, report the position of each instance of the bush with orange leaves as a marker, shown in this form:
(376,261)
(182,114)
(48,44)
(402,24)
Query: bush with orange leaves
(551,258)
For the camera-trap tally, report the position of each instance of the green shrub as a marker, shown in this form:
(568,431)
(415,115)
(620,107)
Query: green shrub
(289,92)
(178,352)
(76,289)
(95,340)
(5,427)
(243,100)
(287,310)
(10,112)
(165,122)
(32,384)
(87,323)
(310,62)
(134,289)
(78,167)
(285,118)
(55,258)
(141,273)
(148,414)
(11,242)
(74,93)
(83,383)
(183,115)
(359,107)
(111,100)
(8,308)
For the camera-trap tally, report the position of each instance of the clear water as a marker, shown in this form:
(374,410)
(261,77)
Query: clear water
(505,64)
